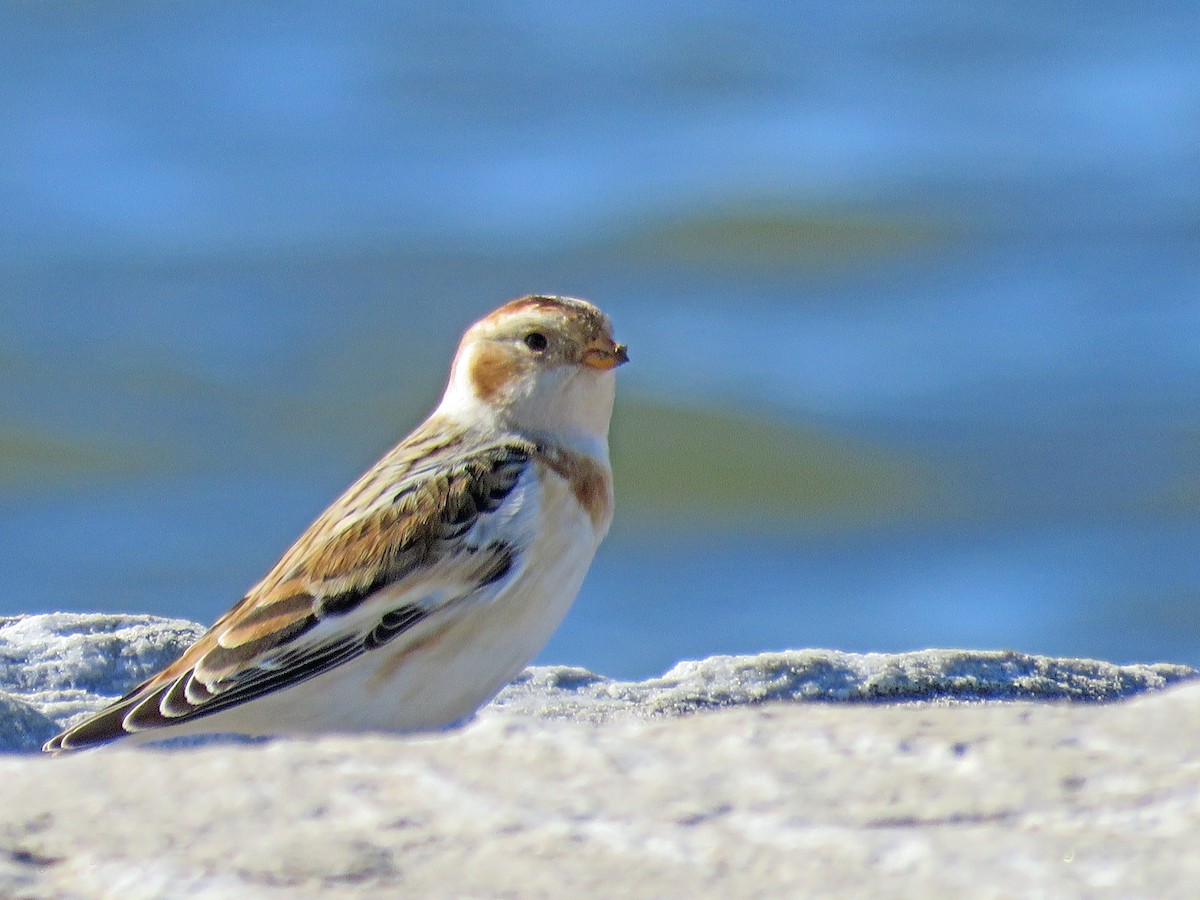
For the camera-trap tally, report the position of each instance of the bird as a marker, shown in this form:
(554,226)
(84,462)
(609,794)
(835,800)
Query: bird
(434,579)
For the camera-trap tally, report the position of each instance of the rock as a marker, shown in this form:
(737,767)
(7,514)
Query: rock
(69,664)
(938,676)
(906,779)
(66,665)
(22,727)
(797,800)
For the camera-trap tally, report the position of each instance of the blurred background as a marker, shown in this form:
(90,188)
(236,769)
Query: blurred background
(912,291)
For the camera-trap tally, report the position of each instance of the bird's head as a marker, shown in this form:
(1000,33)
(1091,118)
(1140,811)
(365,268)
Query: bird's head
(543,366)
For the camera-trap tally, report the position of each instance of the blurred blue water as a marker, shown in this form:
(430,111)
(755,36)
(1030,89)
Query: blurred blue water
(237,242)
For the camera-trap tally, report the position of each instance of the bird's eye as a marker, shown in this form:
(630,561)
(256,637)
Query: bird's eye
(536,341)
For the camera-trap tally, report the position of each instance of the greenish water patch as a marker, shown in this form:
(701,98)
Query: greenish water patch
(748,237)
(31,458)
(710,466)
(1181,498)
(1179,495)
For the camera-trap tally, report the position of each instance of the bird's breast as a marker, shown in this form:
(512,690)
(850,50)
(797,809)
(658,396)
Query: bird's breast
(464,659)
(588,481)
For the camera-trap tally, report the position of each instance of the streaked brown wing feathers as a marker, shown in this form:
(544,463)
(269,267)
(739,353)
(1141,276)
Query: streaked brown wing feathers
(344,557)
(393,524)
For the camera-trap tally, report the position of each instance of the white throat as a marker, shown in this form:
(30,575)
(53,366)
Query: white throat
(568,405)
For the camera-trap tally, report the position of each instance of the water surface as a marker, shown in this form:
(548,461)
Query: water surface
(913,299)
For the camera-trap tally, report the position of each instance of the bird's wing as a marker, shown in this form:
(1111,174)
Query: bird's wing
(423,529)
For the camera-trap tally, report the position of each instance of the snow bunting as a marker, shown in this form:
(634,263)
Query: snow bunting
(431,582)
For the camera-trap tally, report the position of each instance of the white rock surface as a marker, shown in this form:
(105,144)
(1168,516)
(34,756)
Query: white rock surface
(57,668)
(931,676)
(572,785)
(65,665)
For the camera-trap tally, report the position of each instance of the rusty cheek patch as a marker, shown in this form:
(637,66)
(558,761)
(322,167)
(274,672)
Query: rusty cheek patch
(492,368)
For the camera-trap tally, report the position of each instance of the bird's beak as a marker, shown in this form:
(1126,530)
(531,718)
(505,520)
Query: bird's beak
(605,354)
